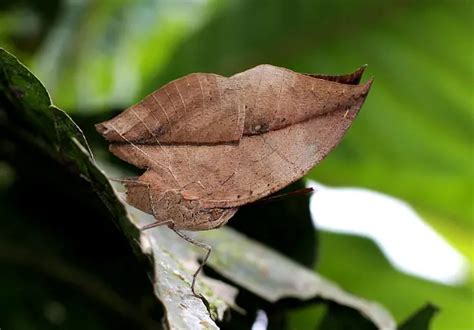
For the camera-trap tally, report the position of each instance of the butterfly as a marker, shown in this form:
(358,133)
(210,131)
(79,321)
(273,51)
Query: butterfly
(210,144)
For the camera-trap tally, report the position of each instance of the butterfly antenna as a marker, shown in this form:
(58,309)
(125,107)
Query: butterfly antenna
(298,192)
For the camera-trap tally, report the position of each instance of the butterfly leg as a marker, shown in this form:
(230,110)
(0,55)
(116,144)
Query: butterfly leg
(130,180)
(170,223)
(203,262)
(121,180)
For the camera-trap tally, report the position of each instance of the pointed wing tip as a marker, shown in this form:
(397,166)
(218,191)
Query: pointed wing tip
(102,129)
(368,84)
(108,132)
(355,77)
(352,78)
(364,91)
(360,71)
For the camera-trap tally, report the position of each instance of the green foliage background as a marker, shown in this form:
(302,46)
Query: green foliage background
(412,140)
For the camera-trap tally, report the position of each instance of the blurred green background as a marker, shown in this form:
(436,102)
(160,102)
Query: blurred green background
(413,139)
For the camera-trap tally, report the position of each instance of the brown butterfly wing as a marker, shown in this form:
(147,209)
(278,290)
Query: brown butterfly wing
(260,131)
(197,108)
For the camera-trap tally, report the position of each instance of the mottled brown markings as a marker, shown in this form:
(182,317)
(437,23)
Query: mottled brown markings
(202,92)
(278,100)
(183,117)
(242,201)
(153,114)
(240,120)
(258,87)
(191,161)
(227,180)
(139,149)
(287,101)
(264,156)
(275,149)
(171,101)
(162,109)
(150,131)
(219,93)
(180,97)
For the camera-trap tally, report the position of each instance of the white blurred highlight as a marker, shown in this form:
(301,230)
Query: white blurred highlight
(261,321)
(409,244)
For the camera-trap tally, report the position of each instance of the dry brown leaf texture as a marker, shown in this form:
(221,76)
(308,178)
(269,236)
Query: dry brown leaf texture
(211,144)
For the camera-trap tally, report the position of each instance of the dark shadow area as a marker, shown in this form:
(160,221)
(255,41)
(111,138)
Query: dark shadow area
(63,256)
